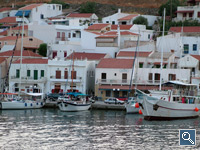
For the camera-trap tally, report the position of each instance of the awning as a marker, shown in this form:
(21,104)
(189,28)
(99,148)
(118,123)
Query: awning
(126,87)
(35,94)
(179,83)
(20,13)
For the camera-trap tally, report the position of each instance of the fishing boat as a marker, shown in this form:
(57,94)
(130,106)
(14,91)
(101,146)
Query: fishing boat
(181,102)
(77,102)
(10,101)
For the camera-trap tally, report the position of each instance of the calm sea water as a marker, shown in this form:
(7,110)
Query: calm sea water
(51,129)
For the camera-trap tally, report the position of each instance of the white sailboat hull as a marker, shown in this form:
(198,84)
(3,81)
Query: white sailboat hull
(165,110)
(130,108)
(67,106)
(20,105)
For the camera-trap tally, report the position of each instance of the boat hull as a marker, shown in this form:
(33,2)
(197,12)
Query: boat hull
(66,106)
(165,110)
(131,109)
(20,105)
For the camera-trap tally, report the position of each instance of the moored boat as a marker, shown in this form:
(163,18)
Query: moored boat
(177,104)
(131,106)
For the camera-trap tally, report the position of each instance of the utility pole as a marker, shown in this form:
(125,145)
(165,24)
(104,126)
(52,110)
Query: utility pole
(171,10)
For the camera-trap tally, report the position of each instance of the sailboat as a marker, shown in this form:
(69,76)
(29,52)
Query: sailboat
(178,103)
(77,101)
(131,105)
(12,101)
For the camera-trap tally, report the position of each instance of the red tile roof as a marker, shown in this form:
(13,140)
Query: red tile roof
(30,7)
(132,54)
(107,36)
(2,59)
(89,56)
(115,63)
(98,26)
(8,20)
(8,38)
(122,27)
(4,33)
(5,9)
(18,53)
(79,15)
(196,56)
(129,17)
(20,27)
(185,29)
(32,61)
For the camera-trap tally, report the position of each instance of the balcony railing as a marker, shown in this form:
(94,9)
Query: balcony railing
(63,79)
(62,39)
(127,82)
(26,79)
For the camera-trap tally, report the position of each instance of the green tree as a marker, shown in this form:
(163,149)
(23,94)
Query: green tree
(88,7)
(171,7)
(141,20)
(42,50)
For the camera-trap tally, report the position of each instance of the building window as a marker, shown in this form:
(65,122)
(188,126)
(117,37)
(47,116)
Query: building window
(199,14)
(157,77)
(73,74)
(17,73)
(190,15)
(115,74)
(5,43)
(54,54)
(194,47)
(42,73)
(58,34)
(149,36)
(150,76)
(65,54)
(107,21)
(74,35)
(66,74)
(28,73)
(108,93)
(184,14)
(113,22)
(53,7)
(35,74)
(172,77)
(59,7)
(186,48)
(41,16)
(30,39)
(140,65)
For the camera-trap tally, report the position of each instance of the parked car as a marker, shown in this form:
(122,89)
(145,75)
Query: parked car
(123,98)
(113,100)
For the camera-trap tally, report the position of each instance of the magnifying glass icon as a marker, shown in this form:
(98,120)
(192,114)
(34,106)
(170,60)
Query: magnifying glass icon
(187,139)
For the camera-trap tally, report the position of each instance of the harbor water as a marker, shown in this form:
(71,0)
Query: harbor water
(51,129)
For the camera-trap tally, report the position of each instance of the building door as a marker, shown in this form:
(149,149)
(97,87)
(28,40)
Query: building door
(58,74)
(35,76)
(73,74)
(63,36)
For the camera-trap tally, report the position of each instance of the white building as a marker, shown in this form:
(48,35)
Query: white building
(33,75)
(83,18)
(190,12)
(38,12)
(183,41)
(60,78)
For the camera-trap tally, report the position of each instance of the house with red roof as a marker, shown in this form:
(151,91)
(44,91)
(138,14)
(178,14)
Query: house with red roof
(183,40)
(113,76)
(190,12)
(83,18)
(40,11)
(5,12)
(99,27)
(33,72)
(17,31)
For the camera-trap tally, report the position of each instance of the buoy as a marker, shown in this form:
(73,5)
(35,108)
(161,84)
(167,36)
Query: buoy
(140,112)
(137,105)
(196,109)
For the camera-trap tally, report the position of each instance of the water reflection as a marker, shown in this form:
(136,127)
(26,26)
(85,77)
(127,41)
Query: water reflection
(96,129)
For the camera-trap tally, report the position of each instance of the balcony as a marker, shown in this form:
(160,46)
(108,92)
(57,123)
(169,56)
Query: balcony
(62,39)
(127,82)
(29,79)
(63,79)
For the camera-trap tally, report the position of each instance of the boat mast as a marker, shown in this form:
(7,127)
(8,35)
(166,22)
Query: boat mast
(20,74)
(161,62)
(72,74)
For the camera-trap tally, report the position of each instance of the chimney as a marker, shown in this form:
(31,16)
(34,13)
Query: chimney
(119,10)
